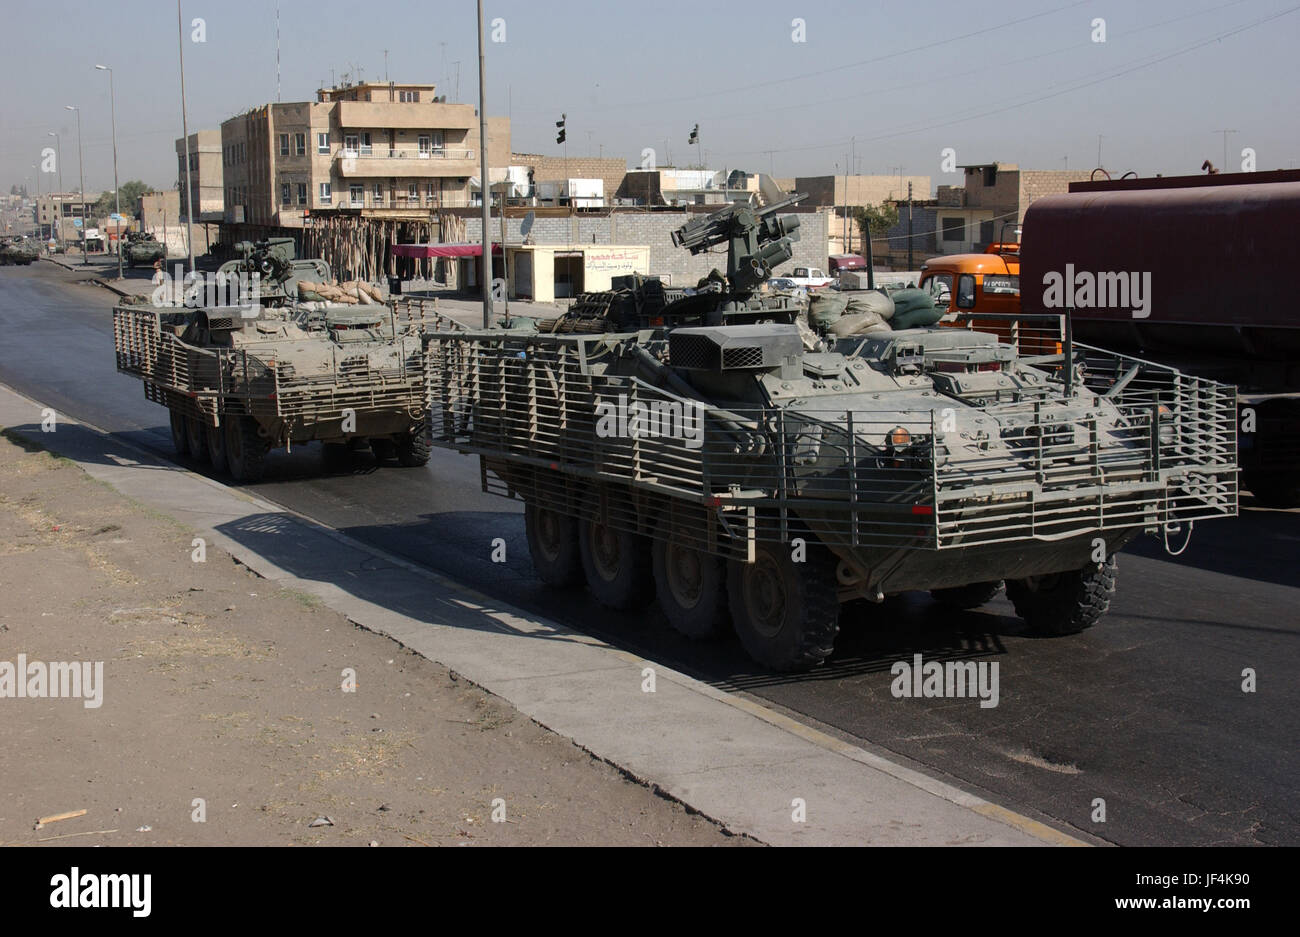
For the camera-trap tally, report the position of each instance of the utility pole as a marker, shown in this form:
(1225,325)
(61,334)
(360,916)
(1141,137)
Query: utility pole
(484,187)
(185,131)
(81,173)
(58,154)
(117,191)
(1223,167)
(909,226)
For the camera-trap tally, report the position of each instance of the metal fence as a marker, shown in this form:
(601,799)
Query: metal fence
(1154,447)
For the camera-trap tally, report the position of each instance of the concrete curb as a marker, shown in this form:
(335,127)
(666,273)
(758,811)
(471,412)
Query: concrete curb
(730,758)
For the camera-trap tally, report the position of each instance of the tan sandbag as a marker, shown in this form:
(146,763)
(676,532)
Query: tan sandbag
(871,301)
(858,323)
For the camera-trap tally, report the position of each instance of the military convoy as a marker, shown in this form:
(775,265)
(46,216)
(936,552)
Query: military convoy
(713,448)
(244,367)
(18,251)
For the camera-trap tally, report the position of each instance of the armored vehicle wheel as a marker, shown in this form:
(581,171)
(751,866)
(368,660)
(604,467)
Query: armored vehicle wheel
(786,614)
(413,448)
(180,442)
(1064,603)
(245,450)
(969,596)
(691,586)
(196,439)
(217,447)
(553,543)
(385,449)
(616,564)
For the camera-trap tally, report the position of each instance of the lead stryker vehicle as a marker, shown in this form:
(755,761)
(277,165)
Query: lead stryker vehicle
(744,470)
(20,251)
(142,248)
(244,372)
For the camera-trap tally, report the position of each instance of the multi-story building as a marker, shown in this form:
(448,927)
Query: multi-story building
(205,175)
(385,151)
(60,214)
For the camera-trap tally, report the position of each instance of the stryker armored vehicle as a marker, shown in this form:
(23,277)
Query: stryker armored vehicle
(745,469)
(242,376)
(19,251)
(140,247)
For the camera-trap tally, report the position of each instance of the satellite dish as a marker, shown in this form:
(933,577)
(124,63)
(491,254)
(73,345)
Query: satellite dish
(527,224)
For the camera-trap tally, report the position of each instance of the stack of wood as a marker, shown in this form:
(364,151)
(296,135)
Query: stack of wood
(350,292)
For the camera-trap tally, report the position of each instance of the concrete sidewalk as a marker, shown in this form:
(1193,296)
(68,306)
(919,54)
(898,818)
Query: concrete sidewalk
(734,760)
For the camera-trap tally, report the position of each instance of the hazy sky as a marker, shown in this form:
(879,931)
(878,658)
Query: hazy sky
(1018,81)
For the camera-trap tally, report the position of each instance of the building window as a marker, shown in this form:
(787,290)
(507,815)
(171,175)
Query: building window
(302,193)
(323,143)
(286,194)
(350,144)
(300,144)
(413,190)
(426,145)
(356,195)
(284,144)
(954,229)
(365,143)
(409,97)
(379,192)
(326,196)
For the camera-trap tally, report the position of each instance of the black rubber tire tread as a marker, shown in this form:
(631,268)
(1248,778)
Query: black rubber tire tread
(1076,603)
(972,595)
(414,448)
(179,442)
(217,447)
(565,570)
(249,465)
(634,586)
(806,642)
(196,436)
(710,618)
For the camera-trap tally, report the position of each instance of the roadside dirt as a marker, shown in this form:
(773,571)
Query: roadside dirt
(220,688)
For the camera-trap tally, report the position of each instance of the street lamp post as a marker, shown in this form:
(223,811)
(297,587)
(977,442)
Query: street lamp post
(81,174)
(117,192)
(185,133)
(58,155)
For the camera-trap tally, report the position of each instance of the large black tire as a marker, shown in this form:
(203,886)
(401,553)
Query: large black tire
(179,441)
(972,595)
(786,614)
(217,447)
(616,564)
(553,544)
(413,448)
(1064,603)
(245,449)
(691,586)
(196,439)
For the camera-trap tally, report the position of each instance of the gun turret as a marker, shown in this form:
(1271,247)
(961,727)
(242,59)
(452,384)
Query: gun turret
(757,241)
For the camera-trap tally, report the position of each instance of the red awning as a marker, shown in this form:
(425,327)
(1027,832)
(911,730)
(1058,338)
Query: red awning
(441,250)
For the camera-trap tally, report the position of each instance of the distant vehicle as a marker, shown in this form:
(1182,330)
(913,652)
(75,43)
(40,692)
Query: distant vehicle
(970,283)
(787,285)
(841,264)
(810,278)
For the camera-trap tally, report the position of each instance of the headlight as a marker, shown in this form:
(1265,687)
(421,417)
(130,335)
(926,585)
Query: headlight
(898,438)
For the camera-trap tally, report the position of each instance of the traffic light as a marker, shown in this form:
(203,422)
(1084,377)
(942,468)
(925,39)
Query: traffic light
(695,135)
(559,137)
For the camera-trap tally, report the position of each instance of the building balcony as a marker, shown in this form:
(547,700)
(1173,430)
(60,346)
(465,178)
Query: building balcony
(405,162)
(406,116)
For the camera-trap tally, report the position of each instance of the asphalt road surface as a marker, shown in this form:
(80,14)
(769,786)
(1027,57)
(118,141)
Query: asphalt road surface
(1145,711)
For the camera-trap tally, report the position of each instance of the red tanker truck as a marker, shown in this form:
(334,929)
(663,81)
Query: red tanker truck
(1198,272)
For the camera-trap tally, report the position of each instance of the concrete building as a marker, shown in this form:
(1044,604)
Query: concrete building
(857,191)
(558,169)
(61,214)
(378,150)
(206,165)
(1008,191)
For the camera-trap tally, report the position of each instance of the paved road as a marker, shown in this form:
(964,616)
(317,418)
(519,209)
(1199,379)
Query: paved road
(1145,711)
